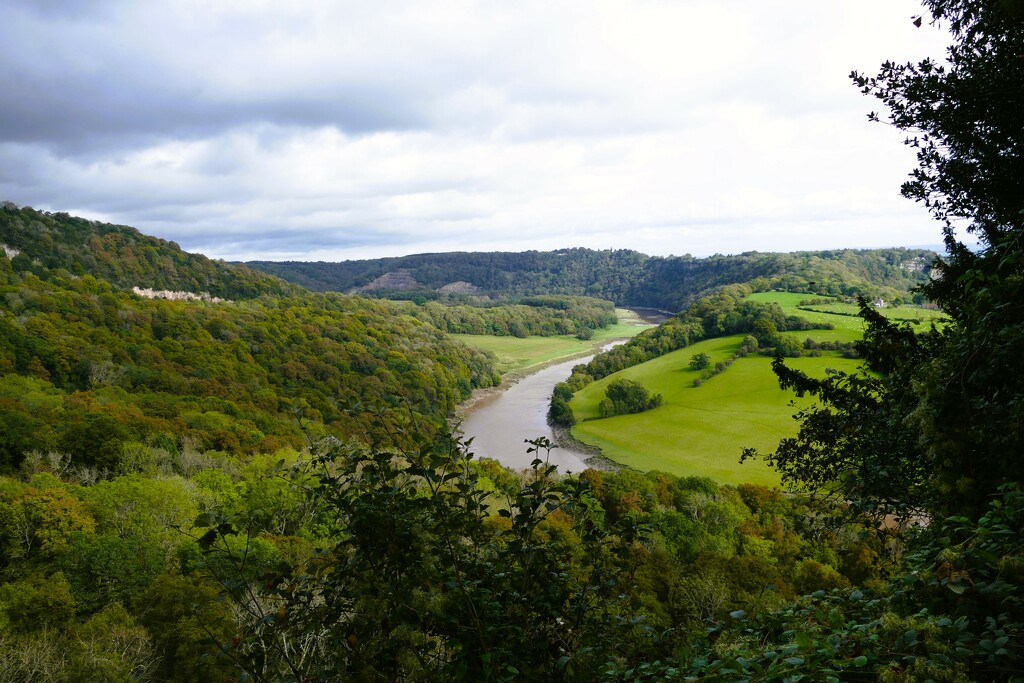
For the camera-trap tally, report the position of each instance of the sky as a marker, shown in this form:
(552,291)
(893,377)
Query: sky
(334,130)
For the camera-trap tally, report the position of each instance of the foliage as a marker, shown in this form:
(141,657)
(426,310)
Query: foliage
(93,371)
(855,443)
(424,581)
(937,426)
(964,121)
(933,428)
(540,316)
(956,615)
(699,361)
(559,411)
(404,557)
(48,243)
(726,312)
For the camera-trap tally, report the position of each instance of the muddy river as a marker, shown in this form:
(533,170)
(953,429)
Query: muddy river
(500,422)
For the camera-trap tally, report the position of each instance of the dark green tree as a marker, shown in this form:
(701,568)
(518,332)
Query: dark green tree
(937,423)
(625,396)
(699,361)
(941,424)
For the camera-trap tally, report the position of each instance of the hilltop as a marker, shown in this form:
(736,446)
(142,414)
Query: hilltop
(42,242)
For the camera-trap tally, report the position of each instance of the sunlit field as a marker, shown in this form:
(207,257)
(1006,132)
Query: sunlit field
(701,430)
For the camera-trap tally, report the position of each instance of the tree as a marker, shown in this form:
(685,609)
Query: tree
(936,423)
(941,424)
(965,120)
(423,581)
(700,361)
(624,396)
(560,412)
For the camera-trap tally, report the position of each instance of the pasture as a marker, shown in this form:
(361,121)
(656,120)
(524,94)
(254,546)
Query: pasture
(843,316)
(700,430)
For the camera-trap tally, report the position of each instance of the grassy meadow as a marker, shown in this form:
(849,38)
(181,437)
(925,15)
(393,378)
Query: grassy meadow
(516,355)
(842,315)
(699,430)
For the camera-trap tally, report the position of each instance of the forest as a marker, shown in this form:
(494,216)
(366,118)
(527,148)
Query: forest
(259,482)
(625,277)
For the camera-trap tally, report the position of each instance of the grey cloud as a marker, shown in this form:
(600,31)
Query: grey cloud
(83,116)
(506,117)
(74,77)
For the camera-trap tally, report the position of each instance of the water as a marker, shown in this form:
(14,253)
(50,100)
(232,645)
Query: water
(499,424)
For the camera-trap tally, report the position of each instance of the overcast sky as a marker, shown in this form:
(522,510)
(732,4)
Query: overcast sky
(332,130)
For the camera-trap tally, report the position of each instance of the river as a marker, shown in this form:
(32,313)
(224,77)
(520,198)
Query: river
(501,421)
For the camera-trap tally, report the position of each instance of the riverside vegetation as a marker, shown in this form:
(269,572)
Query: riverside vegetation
(262,487)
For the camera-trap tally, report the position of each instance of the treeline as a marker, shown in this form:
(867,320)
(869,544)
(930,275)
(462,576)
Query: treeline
(723,313)
(539,316)
(726,312)
(625,277)
(41,242)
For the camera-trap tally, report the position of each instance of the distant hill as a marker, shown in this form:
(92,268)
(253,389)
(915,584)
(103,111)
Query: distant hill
(41,242)
(626,277)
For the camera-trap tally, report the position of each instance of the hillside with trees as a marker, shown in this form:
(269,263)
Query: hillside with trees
(90,365)
(625,277)
(174,467)
(724,313)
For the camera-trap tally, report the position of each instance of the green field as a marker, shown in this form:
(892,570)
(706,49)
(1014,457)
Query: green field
(842,315)
(515,355)
(700,430)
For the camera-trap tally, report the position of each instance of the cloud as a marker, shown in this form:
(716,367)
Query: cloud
(337,130)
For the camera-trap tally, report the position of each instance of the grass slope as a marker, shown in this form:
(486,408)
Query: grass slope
(701,430)
(844,316)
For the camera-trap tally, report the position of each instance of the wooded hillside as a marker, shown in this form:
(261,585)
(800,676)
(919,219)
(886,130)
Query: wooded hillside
(90,366)
(625,277)
(162,517)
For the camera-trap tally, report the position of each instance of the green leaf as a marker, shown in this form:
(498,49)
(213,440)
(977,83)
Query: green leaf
(204,520)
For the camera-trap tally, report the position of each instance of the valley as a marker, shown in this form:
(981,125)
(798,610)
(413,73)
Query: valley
(812,460)
(266,444)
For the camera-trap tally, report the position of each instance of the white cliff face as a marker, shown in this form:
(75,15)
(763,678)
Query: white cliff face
(10,252)
(175,296)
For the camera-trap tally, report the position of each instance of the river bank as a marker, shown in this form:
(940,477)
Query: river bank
(512,377)
(597,459)
(500,419)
